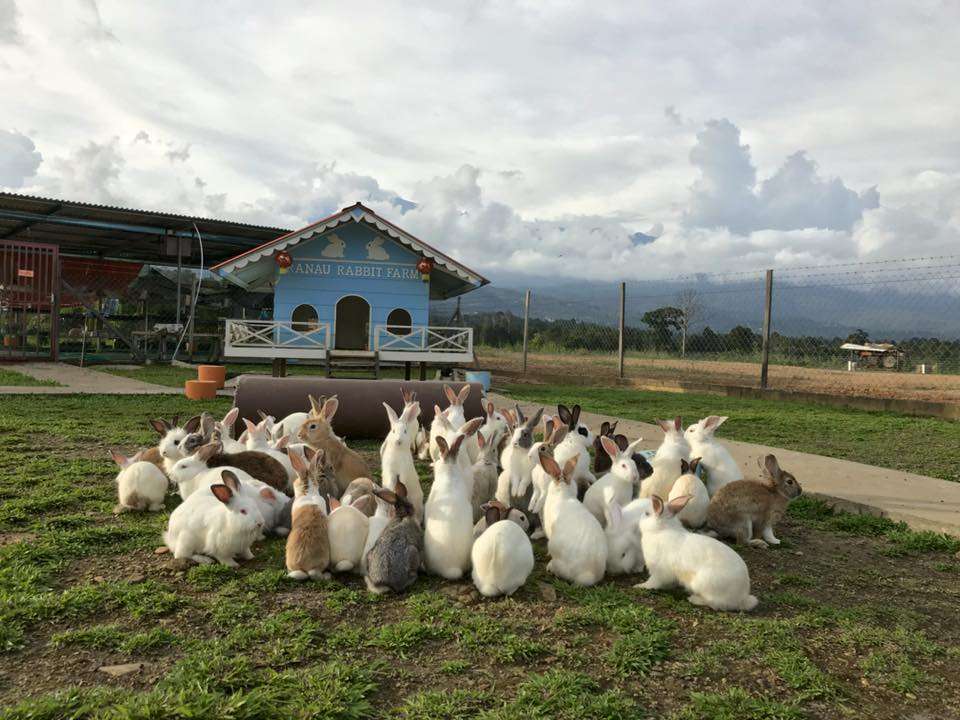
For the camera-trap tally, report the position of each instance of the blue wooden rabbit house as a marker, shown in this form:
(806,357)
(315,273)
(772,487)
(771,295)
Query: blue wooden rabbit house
(352,285)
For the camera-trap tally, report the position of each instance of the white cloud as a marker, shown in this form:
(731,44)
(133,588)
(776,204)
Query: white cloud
(89,173)
(9,22)
(19,158)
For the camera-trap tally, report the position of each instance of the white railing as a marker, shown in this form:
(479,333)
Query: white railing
(423,339)
(276,338)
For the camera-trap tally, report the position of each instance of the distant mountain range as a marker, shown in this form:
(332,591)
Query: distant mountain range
(883,311)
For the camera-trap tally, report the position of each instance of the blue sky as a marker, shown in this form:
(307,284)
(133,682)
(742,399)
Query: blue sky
(533,137)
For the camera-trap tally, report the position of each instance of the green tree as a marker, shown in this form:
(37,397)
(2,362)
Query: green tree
(664,322)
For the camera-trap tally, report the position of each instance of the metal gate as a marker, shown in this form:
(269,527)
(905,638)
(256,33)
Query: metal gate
(29,300)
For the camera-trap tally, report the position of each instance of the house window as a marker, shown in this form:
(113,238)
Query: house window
(399,322)
(305,318)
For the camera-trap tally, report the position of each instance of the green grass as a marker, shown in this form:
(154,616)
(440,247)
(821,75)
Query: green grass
(250,643)
(928,446)
(13,378)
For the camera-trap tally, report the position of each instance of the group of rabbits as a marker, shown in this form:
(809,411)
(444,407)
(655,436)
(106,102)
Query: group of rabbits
(495,487)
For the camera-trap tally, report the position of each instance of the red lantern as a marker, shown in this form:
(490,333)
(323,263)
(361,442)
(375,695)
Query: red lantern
(424,265)
(283,259)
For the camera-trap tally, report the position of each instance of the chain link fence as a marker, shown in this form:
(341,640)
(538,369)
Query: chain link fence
(882,329)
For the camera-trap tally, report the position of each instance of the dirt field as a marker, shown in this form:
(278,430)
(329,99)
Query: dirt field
(594,367)
(857,617)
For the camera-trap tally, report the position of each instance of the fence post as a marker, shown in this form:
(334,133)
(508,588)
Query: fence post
(526,328)
(623,295)
(768,301)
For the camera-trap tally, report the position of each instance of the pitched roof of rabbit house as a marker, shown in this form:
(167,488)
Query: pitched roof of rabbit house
(254,268)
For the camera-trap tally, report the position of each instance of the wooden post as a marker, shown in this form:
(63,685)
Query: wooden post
(279,367)
(423,371)
(768,301)
(406,370)
(623,297)
(526,328)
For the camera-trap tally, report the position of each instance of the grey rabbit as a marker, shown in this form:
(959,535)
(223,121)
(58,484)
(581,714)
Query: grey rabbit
(395,557)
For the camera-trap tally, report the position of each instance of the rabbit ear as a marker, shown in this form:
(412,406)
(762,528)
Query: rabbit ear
(221,493)
(388,496)
(330,408)
(713,422)
(251,427)
(519,412)
(693,465)
(442,446)
(657,505)
(119,458)
(604,428)
(532,422)
(665,425)
(684,467)
(463,394)
(160,425)
(569,467)
(401,488)
(334,503)
(613,514)
(771,465)
(547,428)
(678,423)
(299,462)
(481,441)
(282,443)
(230,418)
(679,503)
(490,410)
(575,417)
(455,447)
(193,424)
(492,515)
(622,442)
(631,448)
(391,414)
(559,433)
(268,494)
(471,427)
(205,452)
(564,412)
(316,459)
(410,411)
(611,448)
(550,466)
(231,480)
(451,395)
(316,406)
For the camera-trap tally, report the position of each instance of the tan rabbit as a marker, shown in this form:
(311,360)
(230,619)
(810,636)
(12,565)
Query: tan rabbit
(748,510)
(308,544)
(362,487)
(317,433)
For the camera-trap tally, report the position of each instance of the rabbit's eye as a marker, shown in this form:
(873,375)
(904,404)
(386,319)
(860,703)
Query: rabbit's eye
(243,512)
(789,481)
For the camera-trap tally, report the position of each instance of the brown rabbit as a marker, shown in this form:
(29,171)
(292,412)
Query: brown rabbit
(308,544)
(258,464)
(361,488)
(748,510)
(318,434)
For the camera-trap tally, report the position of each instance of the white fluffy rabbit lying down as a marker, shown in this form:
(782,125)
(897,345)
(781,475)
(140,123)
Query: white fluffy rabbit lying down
(220,525)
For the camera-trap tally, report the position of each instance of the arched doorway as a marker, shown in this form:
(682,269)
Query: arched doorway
(352,329)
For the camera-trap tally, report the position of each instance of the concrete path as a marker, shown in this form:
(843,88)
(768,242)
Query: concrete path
(922,502)
(75,379)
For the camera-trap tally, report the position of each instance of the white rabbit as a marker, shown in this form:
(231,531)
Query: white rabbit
(289,426)
(396,457)
(209,426)
(412,422)
(273,505)
(622,478)
(258,439)
(713,573)
(423,444)
(720,465)
(485,475)
(495,426)
(551,494)
(624,552)
(448,526)
(222,524)
(188,473)
(502,557)
(665,473)
(553,433)
(577,544)
(348,528)
(694,513)
(515,460)
(375,527)
(140,485)
(171,443)
(376,251)
(514,515)
(455,417)
(674,445)
(576,444)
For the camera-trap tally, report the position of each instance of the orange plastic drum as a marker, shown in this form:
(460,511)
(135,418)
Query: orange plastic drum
(200,389)
(216,373)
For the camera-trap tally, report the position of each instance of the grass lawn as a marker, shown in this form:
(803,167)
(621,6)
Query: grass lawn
(10,377)
(174,376)
(857,616)
(928,446)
